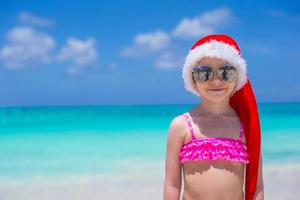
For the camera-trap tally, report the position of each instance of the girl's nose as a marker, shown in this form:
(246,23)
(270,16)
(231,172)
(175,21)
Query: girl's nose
(215,79)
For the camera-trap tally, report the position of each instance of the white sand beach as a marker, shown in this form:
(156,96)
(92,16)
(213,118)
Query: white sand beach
(140,182)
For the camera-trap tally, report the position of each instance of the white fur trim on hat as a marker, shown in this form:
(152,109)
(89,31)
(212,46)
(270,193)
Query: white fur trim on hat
(219,50)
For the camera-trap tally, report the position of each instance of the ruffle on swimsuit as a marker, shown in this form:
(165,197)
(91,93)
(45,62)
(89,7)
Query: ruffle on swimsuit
(213,148)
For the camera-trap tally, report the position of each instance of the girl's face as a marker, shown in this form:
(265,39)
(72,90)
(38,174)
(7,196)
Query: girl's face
(205,89)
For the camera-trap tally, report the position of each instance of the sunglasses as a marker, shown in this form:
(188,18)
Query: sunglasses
(205,73)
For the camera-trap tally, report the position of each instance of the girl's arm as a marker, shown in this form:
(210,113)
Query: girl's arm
(259,193)
(172,182)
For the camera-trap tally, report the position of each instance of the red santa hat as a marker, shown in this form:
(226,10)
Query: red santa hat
(242,99)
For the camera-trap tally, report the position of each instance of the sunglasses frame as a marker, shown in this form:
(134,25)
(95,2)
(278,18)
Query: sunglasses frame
(210,74)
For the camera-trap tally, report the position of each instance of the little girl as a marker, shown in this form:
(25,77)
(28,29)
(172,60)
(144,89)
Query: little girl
(212,144)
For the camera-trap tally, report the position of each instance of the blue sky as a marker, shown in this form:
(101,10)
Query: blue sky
(132,52)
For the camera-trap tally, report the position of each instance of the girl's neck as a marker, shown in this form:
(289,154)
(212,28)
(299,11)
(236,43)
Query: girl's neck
(215,108)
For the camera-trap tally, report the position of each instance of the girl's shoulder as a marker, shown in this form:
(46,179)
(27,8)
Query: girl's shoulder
(178,122)
(177,127)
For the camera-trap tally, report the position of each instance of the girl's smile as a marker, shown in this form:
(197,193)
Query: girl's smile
(216,89)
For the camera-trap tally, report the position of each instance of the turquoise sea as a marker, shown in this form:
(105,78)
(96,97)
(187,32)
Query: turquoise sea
(76,151)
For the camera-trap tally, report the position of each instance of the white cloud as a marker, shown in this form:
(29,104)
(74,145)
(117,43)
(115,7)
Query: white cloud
(26,46)
(147,43)
(29,19)
(168,60)
(157,40)
(206,23)
(81,54)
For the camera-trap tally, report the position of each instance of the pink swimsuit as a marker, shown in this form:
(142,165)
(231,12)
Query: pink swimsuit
(213,148)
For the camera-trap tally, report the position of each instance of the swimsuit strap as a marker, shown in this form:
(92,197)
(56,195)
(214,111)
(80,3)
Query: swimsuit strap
(188,118)
(241,132)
